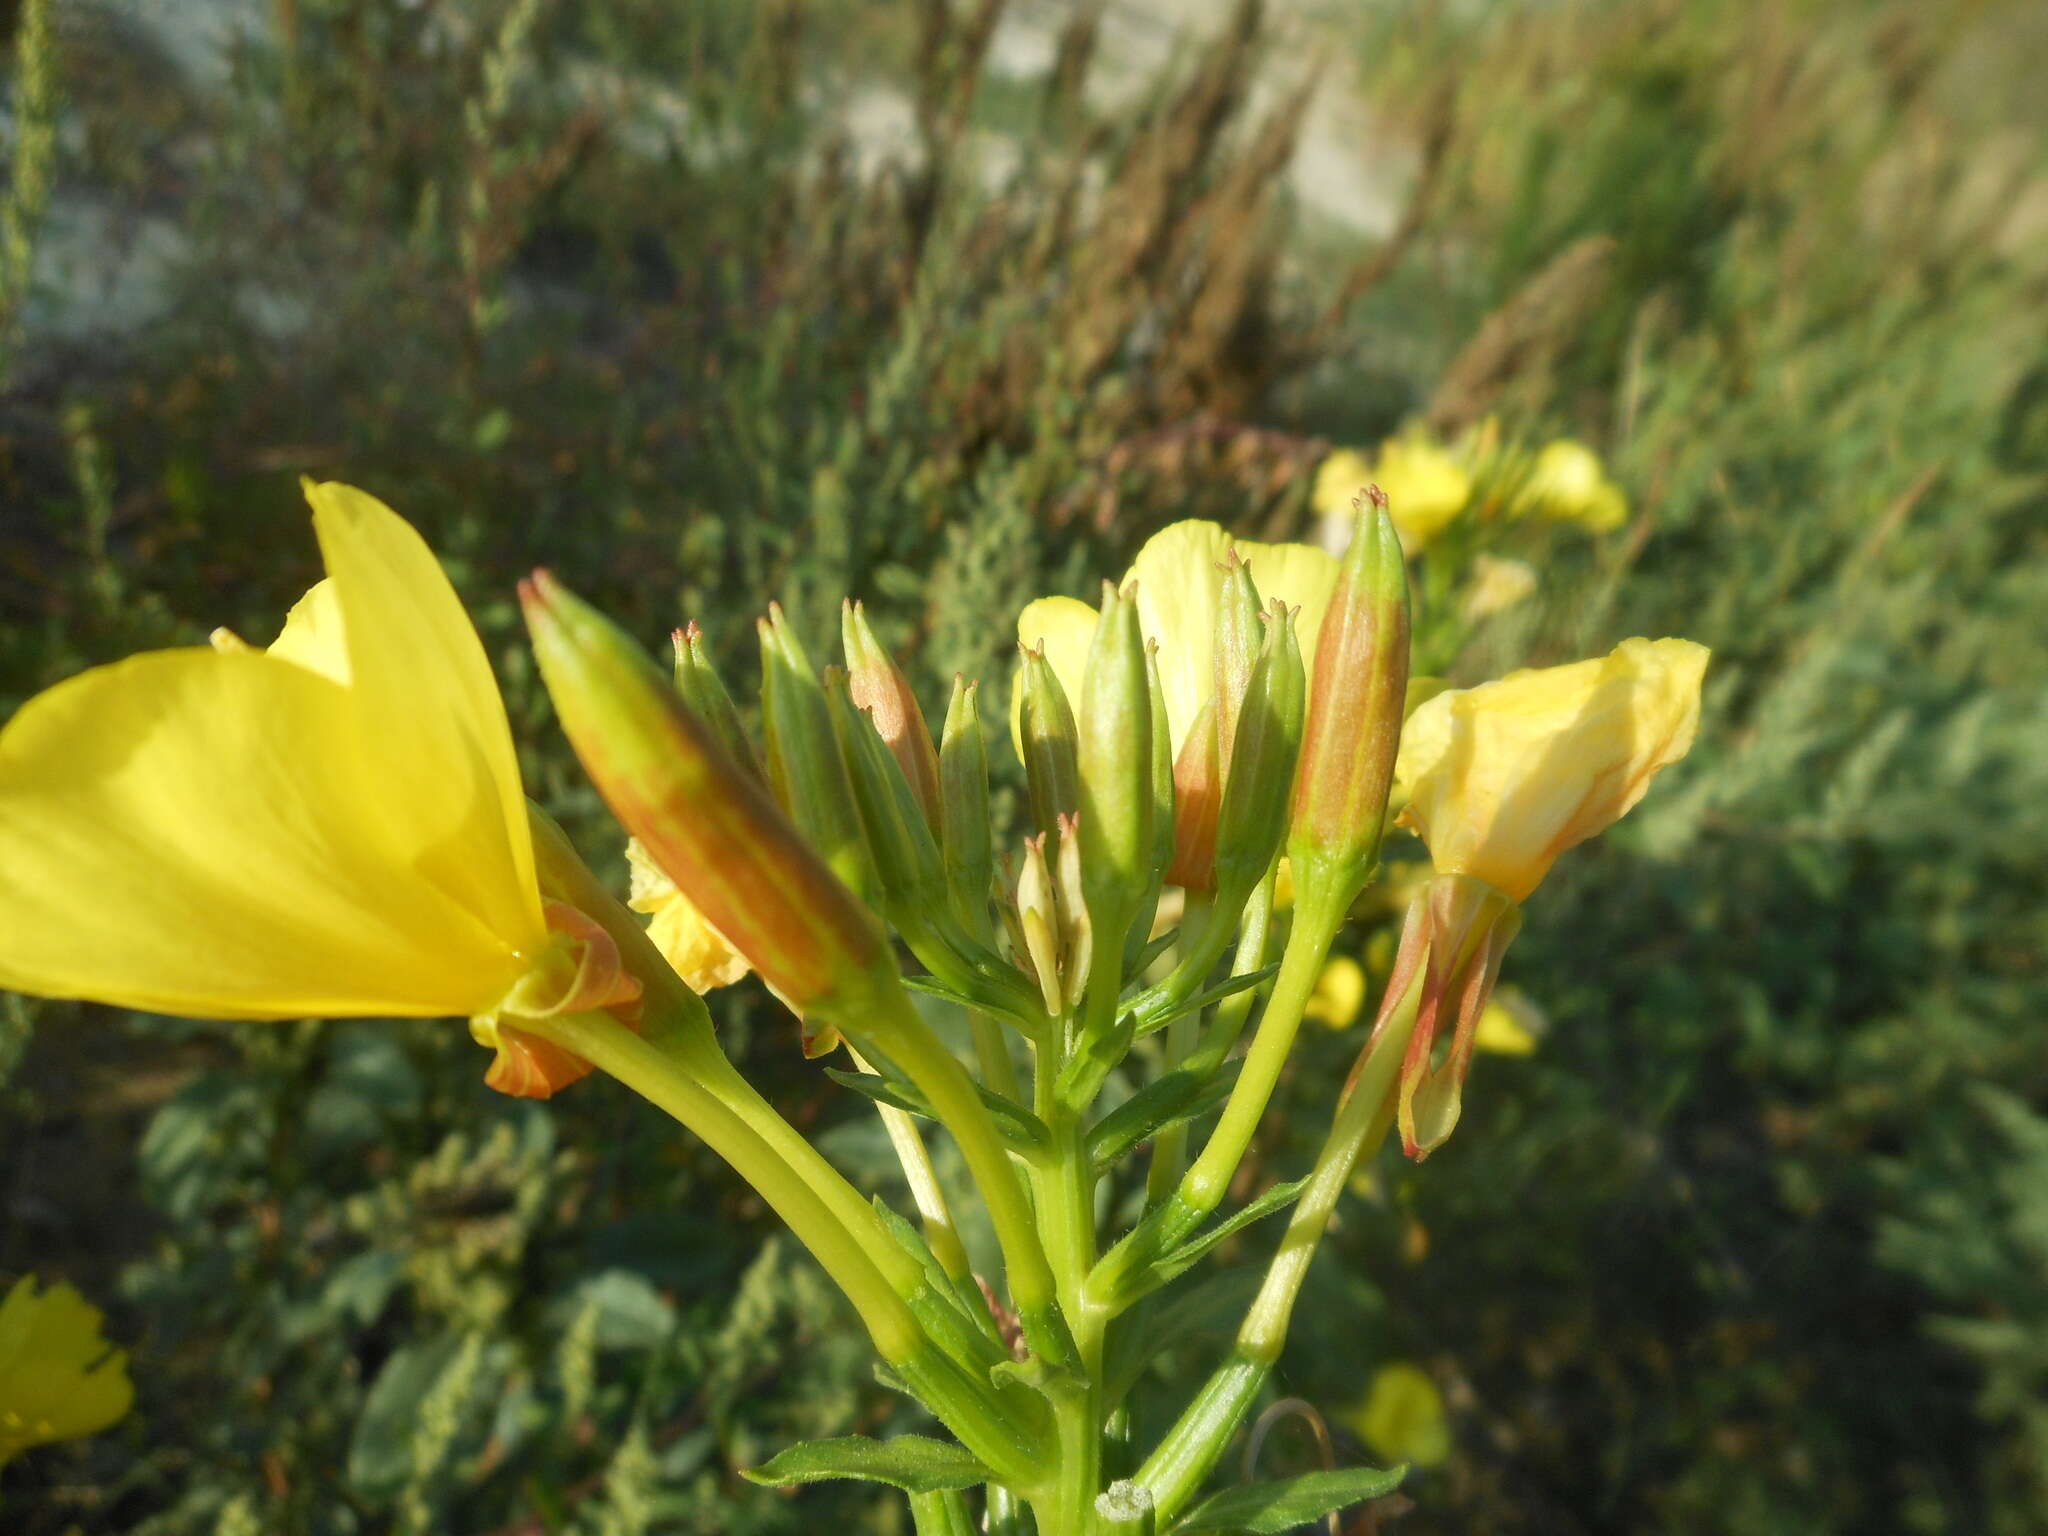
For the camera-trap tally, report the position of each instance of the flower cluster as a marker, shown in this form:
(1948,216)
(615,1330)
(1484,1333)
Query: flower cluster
(1212,754)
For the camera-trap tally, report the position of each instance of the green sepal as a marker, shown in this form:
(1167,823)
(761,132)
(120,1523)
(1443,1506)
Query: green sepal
(1165,1101)
(1267,1509)
(1022,1129)
(911,1463)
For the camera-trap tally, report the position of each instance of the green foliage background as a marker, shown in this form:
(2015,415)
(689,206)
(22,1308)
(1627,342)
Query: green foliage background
(1755,1242)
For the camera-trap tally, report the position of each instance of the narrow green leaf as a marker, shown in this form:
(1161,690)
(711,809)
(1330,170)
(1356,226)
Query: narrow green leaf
(1229,986)
(1268,1509)
(1019,1126)
(909,1462)
(1181,1259)
(1165,1101)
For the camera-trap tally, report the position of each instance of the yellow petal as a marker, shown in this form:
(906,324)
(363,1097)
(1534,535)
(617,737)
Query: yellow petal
(1402,1417)
(694,949)
(1180,593)
(1510,1025)
(312,636)
(1497,585)
(59,1379)
(1065,626)
(212,834)
(1340,479)
(448,780)
(1502,778)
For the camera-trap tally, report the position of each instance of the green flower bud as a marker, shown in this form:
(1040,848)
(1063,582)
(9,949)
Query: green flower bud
(1051,747)
(1116,768)
(1238,642)
(699,684)
(880,688)
(710,826)
(1253,820)
(805,763)
(964,809)
(910,884)
(1355,709)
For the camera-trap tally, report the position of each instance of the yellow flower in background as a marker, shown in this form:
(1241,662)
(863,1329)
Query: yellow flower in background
(1401,1417)
(1426,488)
(1497,585)
(1339,993)
(1179,574)
(1568,484)
(1510,1026)
(59,1379)
(1502,778)
(694,949)
(332,827)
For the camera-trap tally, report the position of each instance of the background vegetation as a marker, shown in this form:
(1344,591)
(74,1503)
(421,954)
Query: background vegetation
(1756,1242)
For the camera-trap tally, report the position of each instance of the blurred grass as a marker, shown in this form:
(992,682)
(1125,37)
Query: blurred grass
(1751,1245)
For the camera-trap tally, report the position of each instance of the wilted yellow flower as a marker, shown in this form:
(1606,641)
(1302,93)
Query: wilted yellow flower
(1568,484)
(59,1379)
(1179,574)
(1497,585)
(1339,993)
(1504,777)
(333,827)
(1426,487)
(1402,1417)
(694,949)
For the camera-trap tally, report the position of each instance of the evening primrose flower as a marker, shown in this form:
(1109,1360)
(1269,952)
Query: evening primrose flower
(1402,1418)
(1426,487)
(1500,780)
(1567,484)
(59,1379)
(332,827)
(1497,585)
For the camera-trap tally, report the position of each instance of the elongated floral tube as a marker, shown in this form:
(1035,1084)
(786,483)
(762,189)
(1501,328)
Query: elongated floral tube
(717,834)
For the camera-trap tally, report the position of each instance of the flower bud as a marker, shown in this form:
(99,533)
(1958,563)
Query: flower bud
(1355,708)
(805,762)
(1197,798)
(1252,822)
(699,684)
(1238,643)
(1076,930)
(880,688)
(909,882)
(1115,763)
(705,822)
(964,809)
(1051,747)
(1038,923)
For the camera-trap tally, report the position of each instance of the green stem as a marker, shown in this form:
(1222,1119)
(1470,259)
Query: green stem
(658,1077)
(940,1234)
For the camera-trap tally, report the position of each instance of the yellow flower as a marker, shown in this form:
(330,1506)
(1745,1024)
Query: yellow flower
(1497,585)
(1568,484)
(58,1378)
(1339,993)
(333,827)
(1502,778)
(1402,1417)
(1426,488)
(1340,479)
(1510,1026)
(695,950)
(1180,593)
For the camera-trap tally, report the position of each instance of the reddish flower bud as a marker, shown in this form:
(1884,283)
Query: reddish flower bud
(879,687)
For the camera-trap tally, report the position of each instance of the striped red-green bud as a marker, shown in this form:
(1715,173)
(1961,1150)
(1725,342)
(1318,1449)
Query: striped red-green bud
(1355,708)
(910,884)
(702,689)
(805,762)
(1197,797)
(1252,823)
(880,688)
(1052,770)
(1239,639)
(964,808)
(1115,762)
(705,822)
